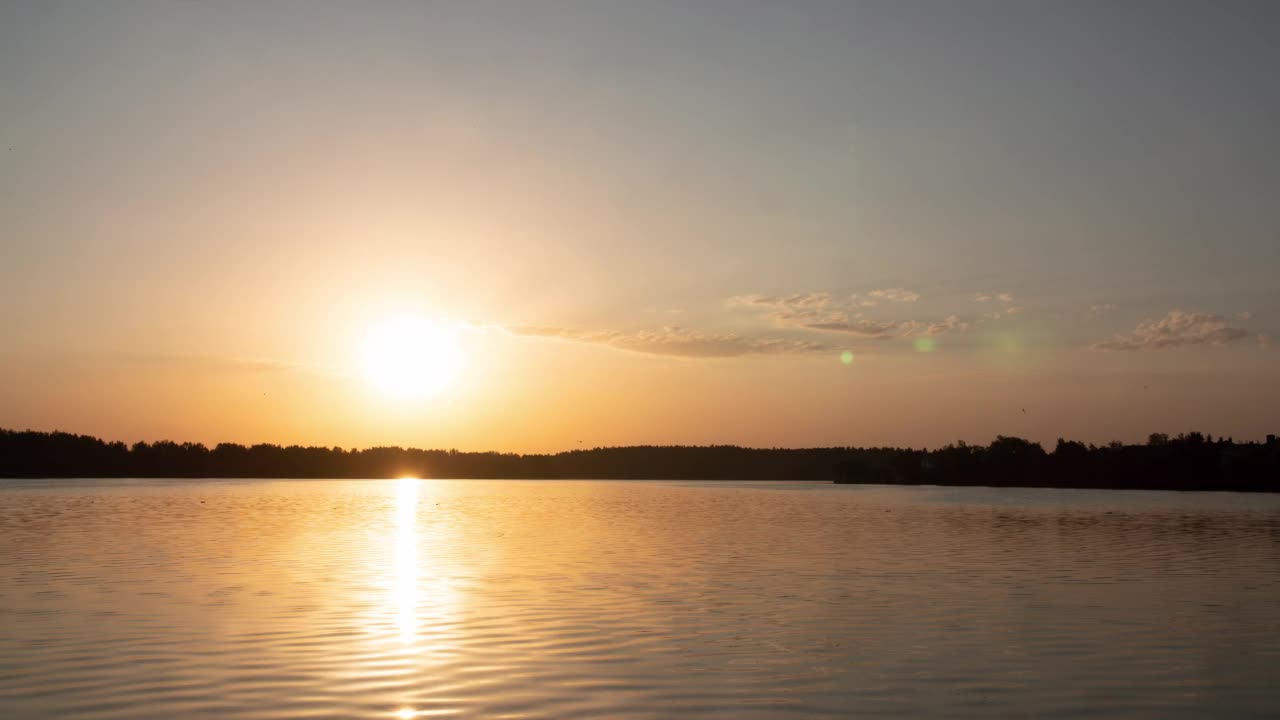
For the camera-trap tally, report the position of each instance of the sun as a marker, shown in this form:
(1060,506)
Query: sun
(410,358)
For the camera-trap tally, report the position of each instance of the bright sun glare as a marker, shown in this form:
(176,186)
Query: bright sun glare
(409,357)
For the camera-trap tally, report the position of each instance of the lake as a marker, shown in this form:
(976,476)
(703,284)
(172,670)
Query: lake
(564,599)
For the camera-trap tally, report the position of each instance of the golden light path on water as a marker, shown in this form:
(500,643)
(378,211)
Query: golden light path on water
(421,600)
(405,587)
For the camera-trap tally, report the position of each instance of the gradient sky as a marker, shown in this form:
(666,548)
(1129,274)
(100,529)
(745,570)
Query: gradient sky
(656,222)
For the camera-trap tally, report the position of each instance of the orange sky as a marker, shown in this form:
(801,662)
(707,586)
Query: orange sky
(644,224)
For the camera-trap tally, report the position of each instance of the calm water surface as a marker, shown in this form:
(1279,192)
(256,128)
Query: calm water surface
(404,599)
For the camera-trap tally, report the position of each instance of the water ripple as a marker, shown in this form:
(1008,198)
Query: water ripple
(419,599)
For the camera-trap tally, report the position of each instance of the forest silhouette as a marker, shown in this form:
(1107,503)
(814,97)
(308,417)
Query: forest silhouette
(1189,461)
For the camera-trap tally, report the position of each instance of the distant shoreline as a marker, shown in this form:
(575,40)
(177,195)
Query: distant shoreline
(1189,461)
(824,483)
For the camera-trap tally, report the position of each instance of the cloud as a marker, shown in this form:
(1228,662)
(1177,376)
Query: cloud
(814,302)
(799,309)
(824,312)
(951,323)
(1176,329)
(1101,308)
(998,314)
(1005,298)
(982,297)
(895,295)
(676,341)
(800,300)
(878,330)
(869,328)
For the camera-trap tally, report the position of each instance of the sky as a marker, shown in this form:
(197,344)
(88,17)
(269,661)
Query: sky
(769,224)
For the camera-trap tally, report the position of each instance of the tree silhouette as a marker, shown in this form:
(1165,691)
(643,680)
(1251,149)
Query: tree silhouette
(1189,461)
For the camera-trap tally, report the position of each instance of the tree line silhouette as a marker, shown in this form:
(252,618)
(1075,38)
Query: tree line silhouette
(1189,461)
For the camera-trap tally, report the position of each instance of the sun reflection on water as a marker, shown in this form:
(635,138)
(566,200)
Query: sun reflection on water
(405,583)
(416,611)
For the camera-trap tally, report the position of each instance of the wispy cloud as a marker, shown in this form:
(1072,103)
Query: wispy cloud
(799,309)
(824,312)
(799,300)
(951,324)
(895,295)
(1003,297)
(1101,308)
(676,341)
(823,300)
(868,328)
(1176,329)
